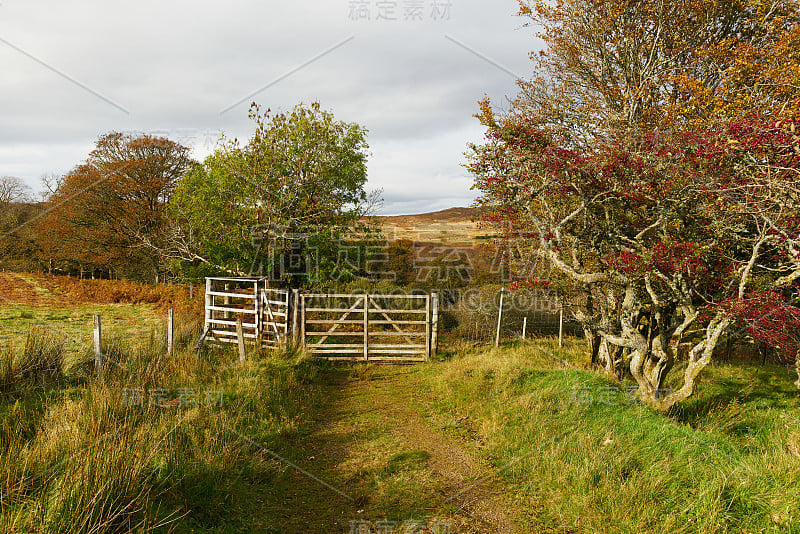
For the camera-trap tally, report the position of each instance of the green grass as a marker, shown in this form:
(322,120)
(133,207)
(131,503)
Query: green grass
(79,456)
(584,457)
(572,449)
(132,323)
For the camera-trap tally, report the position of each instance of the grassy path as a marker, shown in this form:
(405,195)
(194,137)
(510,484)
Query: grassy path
(380,441)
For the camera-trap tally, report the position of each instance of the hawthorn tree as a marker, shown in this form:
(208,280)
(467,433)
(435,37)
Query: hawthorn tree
(296,185)
(681,236)
(651,161)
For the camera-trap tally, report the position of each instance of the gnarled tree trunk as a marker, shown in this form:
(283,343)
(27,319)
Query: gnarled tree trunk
(797,367)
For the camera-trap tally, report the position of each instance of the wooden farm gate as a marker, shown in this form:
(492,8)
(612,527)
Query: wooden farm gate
(369,327)
(263,312)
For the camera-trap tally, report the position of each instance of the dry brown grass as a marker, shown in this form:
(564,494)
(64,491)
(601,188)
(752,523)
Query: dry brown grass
(123,292)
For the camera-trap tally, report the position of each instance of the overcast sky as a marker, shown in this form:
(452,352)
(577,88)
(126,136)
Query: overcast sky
(188,70)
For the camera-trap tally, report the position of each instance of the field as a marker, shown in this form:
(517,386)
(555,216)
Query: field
(524,438)
(454,226)
(37,303)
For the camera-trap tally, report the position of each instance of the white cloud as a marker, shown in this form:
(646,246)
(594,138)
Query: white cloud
(175,65)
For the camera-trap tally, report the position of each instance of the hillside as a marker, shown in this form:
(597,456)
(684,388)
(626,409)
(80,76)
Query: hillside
(453,225)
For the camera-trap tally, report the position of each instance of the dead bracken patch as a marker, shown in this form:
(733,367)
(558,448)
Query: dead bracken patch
(14,289)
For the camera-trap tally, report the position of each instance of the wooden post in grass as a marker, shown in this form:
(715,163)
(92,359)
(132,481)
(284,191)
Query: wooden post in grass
(170,330)
(191,291)
(98,346)
(524,326)
(499,317)
(240,340)
(560,323)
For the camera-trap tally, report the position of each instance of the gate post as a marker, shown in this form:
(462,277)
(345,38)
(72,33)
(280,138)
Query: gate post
(366,327)
(434,337)
(209,312)
(259,313)
(295,314)
(303,320)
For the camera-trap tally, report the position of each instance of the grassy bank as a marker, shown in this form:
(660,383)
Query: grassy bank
(583,456)
(161,444)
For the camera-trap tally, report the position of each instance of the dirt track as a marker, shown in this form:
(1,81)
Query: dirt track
(364,422)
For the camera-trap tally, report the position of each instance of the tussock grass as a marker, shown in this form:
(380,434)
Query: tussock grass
(41,361)
(585,457)
(81,455)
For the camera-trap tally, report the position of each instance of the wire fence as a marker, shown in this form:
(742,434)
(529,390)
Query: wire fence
(488,315)
(76,333)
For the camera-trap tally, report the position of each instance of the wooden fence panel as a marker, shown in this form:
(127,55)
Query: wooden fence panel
(333,326)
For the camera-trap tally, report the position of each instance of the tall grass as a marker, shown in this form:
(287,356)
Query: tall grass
(40,361)
(80,456)
(584,457)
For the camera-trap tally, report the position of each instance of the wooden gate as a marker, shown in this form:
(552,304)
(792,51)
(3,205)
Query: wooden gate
(263,312)
(274,316)
(367,327)
(332,326)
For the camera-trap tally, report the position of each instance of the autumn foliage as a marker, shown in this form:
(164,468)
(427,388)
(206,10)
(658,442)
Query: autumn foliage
(674,231)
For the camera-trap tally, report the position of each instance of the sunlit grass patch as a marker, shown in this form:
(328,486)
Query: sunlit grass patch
(586,455)
(84,454)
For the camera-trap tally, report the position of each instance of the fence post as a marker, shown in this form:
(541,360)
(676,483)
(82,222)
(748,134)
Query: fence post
(499,317)
(260,305)
(303,320)
(524,326)
(240,340)
(98,346)
(209,312)
(191,291)
(560,323)
(226,301)
(434,323)
(366,327)
(295,314)
(170,330)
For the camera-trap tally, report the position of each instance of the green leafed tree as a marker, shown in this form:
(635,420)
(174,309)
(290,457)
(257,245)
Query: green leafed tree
(287,204)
